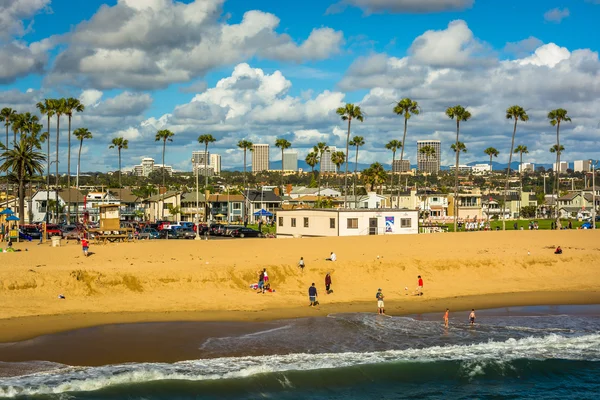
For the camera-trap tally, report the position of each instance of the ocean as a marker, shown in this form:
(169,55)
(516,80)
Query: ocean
(519,352)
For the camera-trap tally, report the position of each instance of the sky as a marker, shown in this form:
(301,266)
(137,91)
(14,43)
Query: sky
(267,69)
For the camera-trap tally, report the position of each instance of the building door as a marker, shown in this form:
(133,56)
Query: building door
(372,226)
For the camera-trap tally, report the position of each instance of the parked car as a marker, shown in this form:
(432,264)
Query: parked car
(186,233)
(53,230)
(242,232)
(31,231)
(187,224)
(168,234)
(149,233)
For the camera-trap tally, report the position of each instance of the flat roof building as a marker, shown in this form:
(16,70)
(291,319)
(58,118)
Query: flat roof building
(432,163)
(260,157)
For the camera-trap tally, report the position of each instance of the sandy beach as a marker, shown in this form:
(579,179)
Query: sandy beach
(209,280)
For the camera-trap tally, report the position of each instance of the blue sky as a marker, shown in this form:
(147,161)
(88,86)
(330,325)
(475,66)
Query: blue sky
(264,69)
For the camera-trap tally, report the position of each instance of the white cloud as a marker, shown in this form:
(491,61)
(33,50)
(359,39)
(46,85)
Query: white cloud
(402,6)
(523,47)
(145,45)
(90,97)
(13,12)
(18,60)
(556,15)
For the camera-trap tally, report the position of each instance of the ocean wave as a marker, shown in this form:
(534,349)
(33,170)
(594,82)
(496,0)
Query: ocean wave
(473,359)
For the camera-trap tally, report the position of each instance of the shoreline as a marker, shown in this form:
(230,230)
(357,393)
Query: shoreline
(19,329)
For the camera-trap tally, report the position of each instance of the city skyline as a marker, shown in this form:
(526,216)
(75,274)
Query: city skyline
(288,83)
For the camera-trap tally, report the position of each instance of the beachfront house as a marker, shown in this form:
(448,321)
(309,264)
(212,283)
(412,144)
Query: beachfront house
(370,200)
(159,207)
(261,199)
(469,206)
(40,202)
(576,205)
(346,222)
(302,191)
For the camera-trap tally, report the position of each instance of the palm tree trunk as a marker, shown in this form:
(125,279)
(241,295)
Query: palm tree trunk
(22,192)
(7,180)
(163,176)
(392,175)
(520,182)
(557,174)
(57,176)
(69,173)
(320,173)
(206,181)
(512,145)
(246,206)
(48,175)
(78,170)
(355,169)
(456,177)
(346,162)
(402,156)
(282,172)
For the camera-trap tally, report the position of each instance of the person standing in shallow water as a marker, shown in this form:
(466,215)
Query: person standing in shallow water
(446,317)
(472,317)
(380,305)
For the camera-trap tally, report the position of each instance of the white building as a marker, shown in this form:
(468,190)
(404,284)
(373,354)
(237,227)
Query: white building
(400,166)
(582,166)
(462,168)
(290,160)
(215,162)
(564,165)
(260,157)
(147,166)
(481,169)
(326,164)
(300,191)
(527,167)
(346,222)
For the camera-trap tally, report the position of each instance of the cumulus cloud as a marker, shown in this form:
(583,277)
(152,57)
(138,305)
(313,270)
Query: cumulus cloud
(556,15)
(523,47)
(402,6)
(151,44)
(13,12)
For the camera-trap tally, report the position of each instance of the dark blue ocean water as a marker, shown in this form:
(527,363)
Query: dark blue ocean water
(356,356)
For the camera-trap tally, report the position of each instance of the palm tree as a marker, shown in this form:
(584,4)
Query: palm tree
(166,136)
(517,113)
(428,152)
(71,105)
(7,114)
(245,145)
(58,107)
(45,108)
(459,113)
(119,144)
(491,152)
(338,158)
(312,159)
(25,161)
(407,108)
(348,113)
(521,149)
(556,117)
(32,136)
(320,149)
(282,144)
(206,139)
(375,175)
(357,141)
(394,145)
(81,134)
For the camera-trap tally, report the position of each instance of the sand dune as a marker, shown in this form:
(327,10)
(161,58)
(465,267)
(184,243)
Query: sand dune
(178,276)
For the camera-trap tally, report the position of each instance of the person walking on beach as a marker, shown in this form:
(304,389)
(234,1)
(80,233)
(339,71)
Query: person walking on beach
(446,317)
(265,276)
(312,295)
(85,246)
(261,282)
(328,283)
(301,264)
(380,306)
(472,317)
(419,290)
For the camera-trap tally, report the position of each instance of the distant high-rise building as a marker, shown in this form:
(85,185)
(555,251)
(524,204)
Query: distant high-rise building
(401,166)
(582,166)
(290,160)
(215,163)
(326,164)
(200,157)
(431,163)
(147,166)
(260,157)
(526,167)
(564,165)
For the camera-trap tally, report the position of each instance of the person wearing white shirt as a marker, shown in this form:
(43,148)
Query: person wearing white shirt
(332,257)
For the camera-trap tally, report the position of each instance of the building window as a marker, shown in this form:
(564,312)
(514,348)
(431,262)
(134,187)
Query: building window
(332,223)
(306,222)
(165,206)
(237,206)
(280,221)
(405,222)
(352,223)
(293,222)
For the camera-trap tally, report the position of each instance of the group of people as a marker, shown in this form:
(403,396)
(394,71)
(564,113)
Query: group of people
(447,317)
(263,281)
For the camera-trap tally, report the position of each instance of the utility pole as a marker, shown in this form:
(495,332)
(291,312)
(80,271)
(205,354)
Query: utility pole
(197,204)
(594,194)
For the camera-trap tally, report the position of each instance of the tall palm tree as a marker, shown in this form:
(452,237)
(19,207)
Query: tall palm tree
(25,162)
(491,152)
(312,159)
(348,113)
(32,136)
(206,139)
(394,145)
(517,113)
(338,158)
(556,117)
(71,105)
(245,145)
(81,134)
(282,144)
(320,149)
(119,143)
(7,114)
(58,107)
(357,141)
(459,113)
(407,108)
(375,175)
(45,108)
(166,136)
(521,149)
